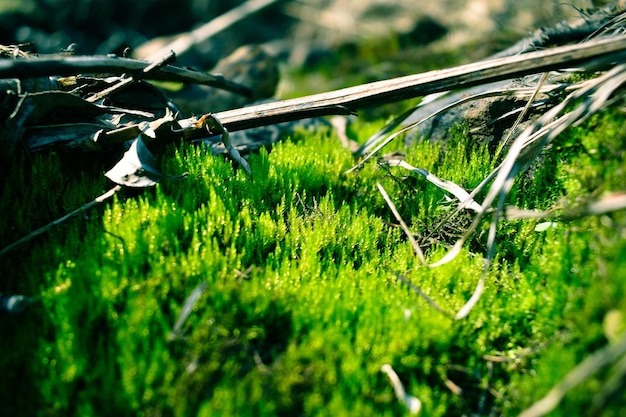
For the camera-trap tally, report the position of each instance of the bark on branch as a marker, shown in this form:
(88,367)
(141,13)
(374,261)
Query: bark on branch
(600,53)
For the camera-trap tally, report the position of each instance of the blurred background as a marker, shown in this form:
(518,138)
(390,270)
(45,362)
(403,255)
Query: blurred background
(343,42)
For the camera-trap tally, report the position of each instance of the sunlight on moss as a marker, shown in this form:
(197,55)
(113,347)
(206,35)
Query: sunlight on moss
(303,304)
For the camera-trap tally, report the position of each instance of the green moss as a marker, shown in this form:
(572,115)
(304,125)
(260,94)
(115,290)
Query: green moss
(302,305)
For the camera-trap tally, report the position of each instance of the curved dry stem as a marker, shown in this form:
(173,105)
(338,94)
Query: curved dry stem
(585,370)
(60,220)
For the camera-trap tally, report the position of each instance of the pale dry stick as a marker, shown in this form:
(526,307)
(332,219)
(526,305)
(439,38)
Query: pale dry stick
(518,92)
(585,370)
(413,404)
(522,114)
(43,229)
(405,228)
(186,41)
(101,65)
(348,100)
(422,294)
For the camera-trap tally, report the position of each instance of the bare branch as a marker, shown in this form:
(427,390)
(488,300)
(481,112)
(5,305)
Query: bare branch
(127,80)
(585,370)
(348,100)
(43,229)
(185,41)
(72,65)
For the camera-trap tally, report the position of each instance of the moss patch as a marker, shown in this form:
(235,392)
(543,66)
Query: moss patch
(302,305)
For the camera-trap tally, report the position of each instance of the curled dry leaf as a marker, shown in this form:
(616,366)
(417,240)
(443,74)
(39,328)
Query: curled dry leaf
(138,166)
(463,196)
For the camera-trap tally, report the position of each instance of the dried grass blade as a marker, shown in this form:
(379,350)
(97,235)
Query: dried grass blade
(587,368)
(376,143)
(454,189)
(100,199)
(421,293)
(405,228)
(523,113)
(478,292)
(533,140)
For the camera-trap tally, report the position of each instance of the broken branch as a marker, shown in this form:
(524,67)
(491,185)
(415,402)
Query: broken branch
(348,100)
(72,65)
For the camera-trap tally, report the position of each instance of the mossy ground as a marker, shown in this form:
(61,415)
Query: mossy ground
(302,304)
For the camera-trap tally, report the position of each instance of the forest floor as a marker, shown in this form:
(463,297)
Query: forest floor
(297,291)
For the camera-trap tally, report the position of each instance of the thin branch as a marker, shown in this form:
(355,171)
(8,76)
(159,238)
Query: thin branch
(60,220)
(72,65)
(592,364)
(522,114)
(413,404)
(128,80)
(348,100)
(185,41)
(405,228)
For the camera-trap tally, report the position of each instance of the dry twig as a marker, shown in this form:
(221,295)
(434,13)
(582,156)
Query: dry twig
(43,229)
(346,101)
(71,65)
(585,370)
(185,41)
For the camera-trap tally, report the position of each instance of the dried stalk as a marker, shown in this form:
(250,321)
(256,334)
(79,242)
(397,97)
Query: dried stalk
(72,65)
(348,100)
(128,80)
(43,229)
(185,41)
(585,370)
